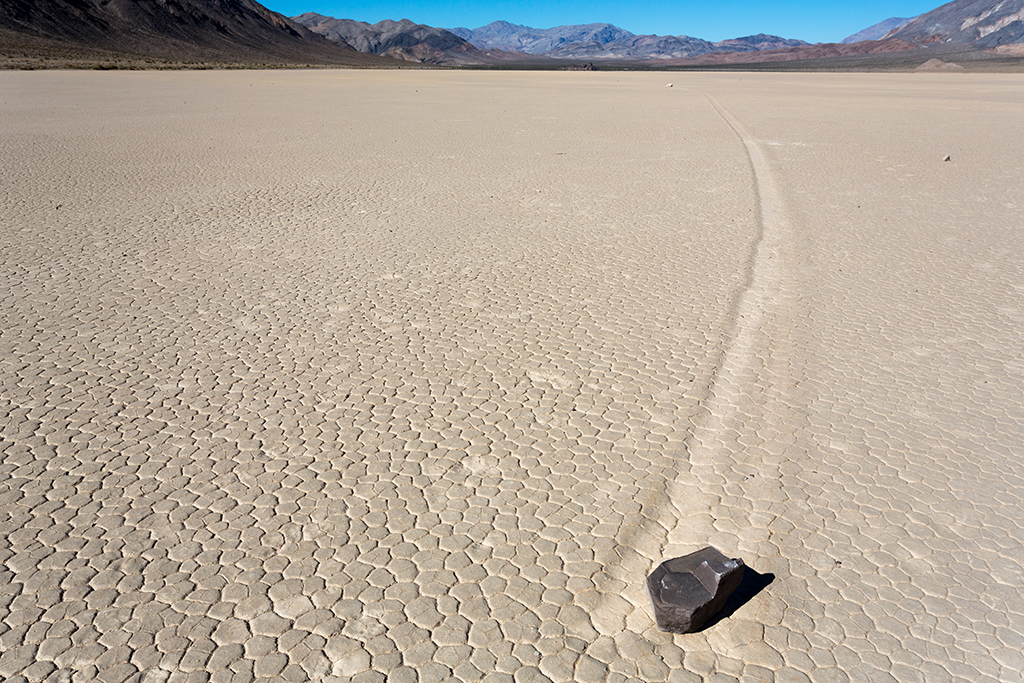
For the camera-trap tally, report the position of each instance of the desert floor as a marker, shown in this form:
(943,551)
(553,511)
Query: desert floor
(416,375)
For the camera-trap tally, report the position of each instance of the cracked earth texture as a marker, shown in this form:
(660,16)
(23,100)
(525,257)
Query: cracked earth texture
(367,376)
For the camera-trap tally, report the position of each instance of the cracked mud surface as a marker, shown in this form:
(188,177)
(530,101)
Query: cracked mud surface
(415,376)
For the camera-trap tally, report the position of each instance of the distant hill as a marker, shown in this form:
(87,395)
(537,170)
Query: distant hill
(820,51)
(501,35)
(983,23)
(396,39)
(220,31)
(634,47)
(757,43)
(605,41)
(876,31)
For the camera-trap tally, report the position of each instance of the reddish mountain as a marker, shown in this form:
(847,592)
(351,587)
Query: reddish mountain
(820,51)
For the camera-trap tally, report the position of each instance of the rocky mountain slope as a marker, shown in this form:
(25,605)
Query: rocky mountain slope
(219,31)
(876,31)
(396,39)
(984,23)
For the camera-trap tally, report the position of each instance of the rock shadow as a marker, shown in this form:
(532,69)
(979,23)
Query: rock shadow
(753,583)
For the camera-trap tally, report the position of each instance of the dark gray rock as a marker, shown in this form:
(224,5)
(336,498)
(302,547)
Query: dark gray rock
(686,591)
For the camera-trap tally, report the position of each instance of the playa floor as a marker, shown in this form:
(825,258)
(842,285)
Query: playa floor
(415,376)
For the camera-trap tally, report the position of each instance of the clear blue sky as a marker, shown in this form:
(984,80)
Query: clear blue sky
(815,22)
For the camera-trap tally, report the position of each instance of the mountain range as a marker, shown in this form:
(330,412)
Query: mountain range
(245,32)
(503,41)
(973,23)
(605,41)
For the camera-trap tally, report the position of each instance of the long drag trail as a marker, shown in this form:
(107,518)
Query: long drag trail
(753,387)
(350,376)
(755,366)
(749,391)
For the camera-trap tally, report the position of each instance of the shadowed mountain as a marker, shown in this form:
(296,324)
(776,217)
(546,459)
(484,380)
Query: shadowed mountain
(875,31)
(985,23)
(397,39)
(220,31)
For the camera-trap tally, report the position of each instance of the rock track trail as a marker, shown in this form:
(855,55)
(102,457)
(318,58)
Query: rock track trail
(729,488)
(755,368)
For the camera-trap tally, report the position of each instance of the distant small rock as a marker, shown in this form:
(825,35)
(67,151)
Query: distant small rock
(686,591)
(669,85)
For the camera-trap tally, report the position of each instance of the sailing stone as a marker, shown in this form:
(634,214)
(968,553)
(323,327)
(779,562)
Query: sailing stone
(686,591)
